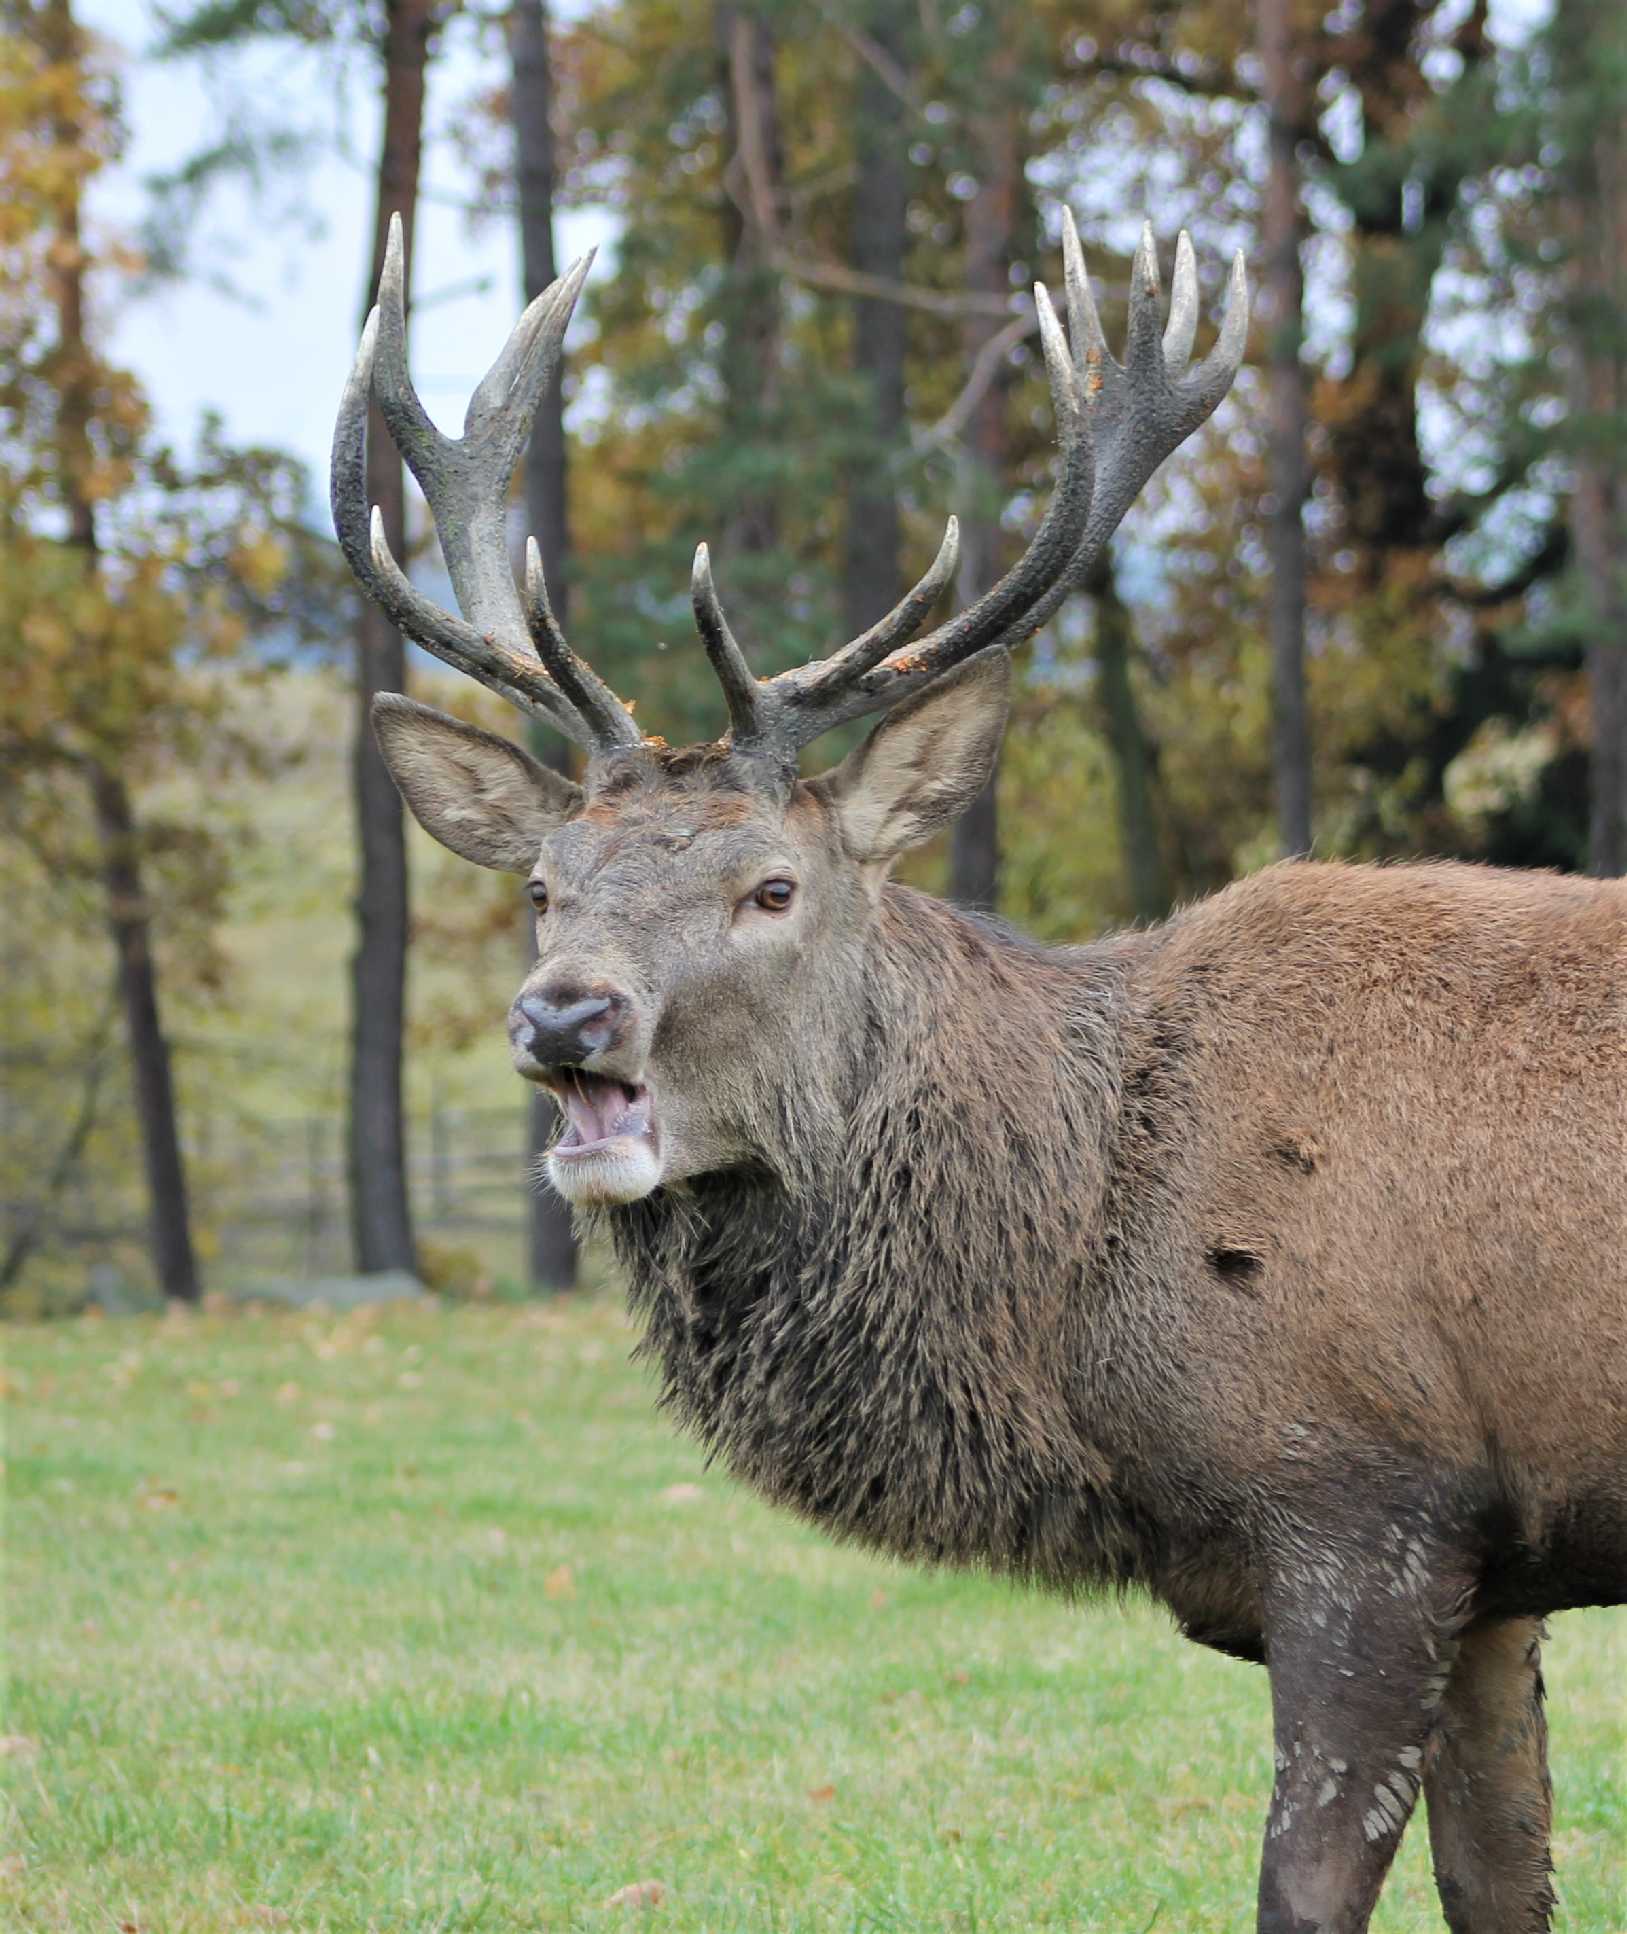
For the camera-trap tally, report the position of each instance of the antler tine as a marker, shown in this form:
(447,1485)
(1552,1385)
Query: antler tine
(898,627)
(507,398)
(610,721)
(466,483)
(741,690)
(1143,348)
(1210,381)
(1183,307)
(1116,423)
(1084,325)
(416,437)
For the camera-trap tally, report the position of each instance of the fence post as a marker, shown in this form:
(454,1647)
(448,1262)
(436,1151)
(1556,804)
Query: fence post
(313,1194)
(439,1160)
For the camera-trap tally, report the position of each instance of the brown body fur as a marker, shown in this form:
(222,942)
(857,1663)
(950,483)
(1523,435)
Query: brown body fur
(1128,1276)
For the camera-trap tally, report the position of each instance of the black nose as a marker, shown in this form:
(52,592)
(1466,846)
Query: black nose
(558,1027)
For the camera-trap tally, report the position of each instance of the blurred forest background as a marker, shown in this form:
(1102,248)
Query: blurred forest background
(253,1024)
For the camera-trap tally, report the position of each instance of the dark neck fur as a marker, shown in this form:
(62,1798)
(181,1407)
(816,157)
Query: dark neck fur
(888,1328)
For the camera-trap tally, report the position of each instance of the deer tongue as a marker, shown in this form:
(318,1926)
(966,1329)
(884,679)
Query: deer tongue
(598,1110)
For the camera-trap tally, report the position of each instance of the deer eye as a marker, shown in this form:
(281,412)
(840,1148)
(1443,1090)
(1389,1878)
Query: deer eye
(537,894)
(774,896)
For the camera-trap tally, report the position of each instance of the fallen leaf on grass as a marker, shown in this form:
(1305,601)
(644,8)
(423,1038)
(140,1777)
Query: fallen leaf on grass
(821,1795)
(12,1867)
(878,1600)
(960,1677)
(18,1746)
(680,1494)
(560,1583)
(642,1893)
(157,1497)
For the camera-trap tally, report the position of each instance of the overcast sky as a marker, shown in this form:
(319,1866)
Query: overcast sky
(273,366)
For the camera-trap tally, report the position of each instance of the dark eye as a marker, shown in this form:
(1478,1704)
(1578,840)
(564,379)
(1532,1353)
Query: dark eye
(774,896)
(537,893)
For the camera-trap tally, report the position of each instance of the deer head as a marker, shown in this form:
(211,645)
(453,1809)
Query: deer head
(704,915)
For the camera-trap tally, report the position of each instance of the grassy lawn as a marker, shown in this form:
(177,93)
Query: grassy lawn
(426,1620)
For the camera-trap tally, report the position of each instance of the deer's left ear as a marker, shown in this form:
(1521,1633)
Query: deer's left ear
(923,765)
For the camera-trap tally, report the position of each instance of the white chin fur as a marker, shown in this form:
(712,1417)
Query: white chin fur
(625,1170)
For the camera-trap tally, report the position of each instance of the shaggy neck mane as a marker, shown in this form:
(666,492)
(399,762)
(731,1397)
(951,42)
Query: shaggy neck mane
(884,1327)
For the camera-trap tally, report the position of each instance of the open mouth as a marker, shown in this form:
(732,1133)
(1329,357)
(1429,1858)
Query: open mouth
(599,1111)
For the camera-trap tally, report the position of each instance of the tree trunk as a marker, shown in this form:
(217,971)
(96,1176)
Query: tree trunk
(128,915)
(551,1240)
(169,1218)
(754,177)
(990,240)
(1284,289)
(380,1213)
(1395,249)
(871,547)
(1591,44)
(1131,751)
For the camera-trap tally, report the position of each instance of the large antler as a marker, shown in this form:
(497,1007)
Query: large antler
(1116,423)
(512,647)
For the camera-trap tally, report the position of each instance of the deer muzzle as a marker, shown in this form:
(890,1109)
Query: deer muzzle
(570,1040)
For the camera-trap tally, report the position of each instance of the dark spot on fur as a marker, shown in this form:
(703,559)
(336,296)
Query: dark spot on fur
(1296,1156)
(1234,1265)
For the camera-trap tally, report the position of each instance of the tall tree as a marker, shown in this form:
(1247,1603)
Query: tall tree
(376,1136)
(1287,101)
(551,1242)
(879,241)
(1590,45)
(1129,747)
(753,190)
(990,243)
(129,913)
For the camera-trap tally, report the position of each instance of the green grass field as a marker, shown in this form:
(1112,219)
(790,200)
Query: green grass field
(426,1621)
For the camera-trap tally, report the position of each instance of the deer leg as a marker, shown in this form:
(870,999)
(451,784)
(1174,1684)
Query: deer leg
(1359,1643)
(1486,1786)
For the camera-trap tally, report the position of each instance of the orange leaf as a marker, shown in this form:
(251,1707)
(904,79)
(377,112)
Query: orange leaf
(641,1893)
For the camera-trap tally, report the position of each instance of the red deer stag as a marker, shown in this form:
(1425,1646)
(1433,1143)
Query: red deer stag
(1273,1260)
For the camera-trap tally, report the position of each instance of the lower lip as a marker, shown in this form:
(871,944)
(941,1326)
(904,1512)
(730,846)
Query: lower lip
(586,1151)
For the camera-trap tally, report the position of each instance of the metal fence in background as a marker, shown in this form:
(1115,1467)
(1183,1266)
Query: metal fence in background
(269,1198)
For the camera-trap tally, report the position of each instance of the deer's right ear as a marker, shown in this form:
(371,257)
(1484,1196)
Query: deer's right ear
(481,795)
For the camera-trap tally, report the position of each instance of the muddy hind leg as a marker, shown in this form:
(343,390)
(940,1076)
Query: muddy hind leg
(1486,1786)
